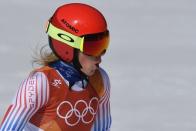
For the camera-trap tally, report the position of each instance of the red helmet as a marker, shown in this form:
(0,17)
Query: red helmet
(77,26)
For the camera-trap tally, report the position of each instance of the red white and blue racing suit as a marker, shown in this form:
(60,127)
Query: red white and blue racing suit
(45,102)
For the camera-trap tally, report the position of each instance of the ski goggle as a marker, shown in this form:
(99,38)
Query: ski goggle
(91,44)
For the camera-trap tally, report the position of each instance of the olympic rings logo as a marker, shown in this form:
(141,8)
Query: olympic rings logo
(81,111)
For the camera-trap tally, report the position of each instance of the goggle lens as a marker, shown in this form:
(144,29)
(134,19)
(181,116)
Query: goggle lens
(96,44)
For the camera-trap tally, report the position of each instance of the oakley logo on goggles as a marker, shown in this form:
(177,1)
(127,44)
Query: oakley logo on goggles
(91,44)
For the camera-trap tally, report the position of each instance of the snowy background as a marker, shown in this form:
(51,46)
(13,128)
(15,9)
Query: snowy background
(151,60)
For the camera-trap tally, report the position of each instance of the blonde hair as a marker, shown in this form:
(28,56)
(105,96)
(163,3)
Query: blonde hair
(44,56)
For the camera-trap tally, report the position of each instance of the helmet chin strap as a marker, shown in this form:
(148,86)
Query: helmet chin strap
(77,64)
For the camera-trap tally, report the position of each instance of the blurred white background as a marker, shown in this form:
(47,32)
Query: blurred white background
(150,60)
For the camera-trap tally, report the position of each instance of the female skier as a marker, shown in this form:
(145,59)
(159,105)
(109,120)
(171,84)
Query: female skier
(70,92)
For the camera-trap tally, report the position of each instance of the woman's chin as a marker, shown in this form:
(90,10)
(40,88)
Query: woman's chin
(91,73)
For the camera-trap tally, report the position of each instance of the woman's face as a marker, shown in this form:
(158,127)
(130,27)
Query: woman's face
(89,63)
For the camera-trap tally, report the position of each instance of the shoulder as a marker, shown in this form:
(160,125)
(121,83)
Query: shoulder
(100,81)
(106,86)
(105,78)
(103,74)
(38,75)
(43,69)
(40,79)
(44,72)
(33,90)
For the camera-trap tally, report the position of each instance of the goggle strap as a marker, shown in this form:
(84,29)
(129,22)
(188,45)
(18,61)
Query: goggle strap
(65,37)
(82,44)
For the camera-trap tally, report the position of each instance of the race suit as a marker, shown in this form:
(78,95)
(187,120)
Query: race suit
(56,98)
